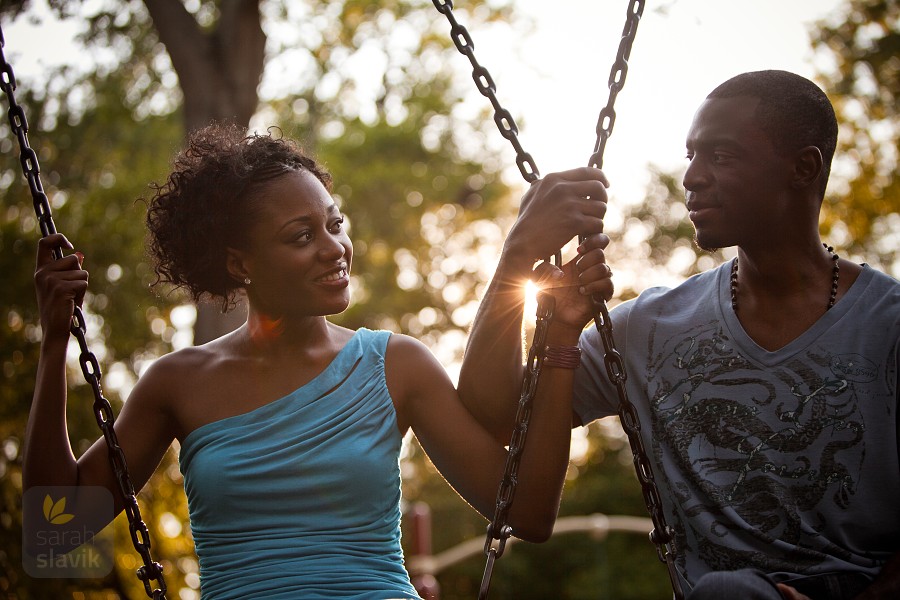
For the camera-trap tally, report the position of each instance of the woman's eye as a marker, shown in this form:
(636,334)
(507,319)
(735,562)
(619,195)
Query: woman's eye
(303,236)
(337,225)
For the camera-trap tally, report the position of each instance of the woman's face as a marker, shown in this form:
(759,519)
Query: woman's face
(298,256)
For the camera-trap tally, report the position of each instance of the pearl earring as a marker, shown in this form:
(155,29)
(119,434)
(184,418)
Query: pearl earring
(246,281)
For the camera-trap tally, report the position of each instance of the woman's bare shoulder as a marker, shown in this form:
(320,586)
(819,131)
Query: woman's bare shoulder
(406,347)
(410,365)
(180,362)
(170,376)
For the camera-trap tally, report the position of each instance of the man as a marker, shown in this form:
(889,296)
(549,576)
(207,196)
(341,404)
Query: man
(767,388)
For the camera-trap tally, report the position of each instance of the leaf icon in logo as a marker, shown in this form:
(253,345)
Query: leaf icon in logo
(54,512)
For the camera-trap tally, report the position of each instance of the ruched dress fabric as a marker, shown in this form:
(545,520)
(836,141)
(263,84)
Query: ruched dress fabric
(300,498)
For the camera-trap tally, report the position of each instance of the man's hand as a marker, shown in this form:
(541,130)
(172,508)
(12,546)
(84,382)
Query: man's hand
(573,285)
(790,593)
(554,210)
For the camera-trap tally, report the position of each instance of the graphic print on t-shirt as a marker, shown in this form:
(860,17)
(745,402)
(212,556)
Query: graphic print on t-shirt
(760,449)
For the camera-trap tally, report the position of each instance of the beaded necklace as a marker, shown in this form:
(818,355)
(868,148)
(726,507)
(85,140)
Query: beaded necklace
(835,276)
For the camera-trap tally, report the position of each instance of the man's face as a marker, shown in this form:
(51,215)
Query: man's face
(736,182)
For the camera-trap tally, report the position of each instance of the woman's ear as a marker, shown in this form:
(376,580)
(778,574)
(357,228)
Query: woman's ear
(235,262)
(807,167)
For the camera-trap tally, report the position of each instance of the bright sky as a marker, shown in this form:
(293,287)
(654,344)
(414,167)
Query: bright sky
(555,80)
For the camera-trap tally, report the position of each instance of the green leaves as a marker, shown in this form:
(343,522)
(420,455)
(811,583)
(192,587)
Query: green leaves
(861,44)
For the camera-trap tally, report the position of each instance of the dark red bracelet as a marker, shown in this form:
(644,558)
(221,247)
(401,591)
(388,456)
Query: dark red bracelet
(563,357)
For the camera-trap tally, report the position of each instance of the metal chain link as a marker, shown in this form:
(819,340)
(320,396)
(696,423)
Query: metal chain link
(607,119)
(485,84)
(90,367)
(498,530)
(662,535)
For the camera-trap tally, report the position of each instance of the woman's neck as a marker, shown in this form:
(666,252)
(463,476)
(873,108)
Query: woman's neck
(266,333)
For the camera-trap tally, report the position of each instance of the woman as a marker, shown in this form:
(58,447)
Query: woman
(290,427)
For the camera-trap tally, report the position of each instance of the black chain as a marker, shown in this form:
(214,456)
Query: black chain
(617,74)
(485,84)
(662,535)
(499,531)
(90,367)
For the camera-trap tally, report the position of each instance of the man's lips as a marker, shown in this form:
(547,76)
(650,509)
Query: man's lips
(698,209)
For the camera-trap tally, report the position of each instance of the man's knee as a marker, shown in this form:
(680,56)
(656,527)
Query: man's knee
(745,584)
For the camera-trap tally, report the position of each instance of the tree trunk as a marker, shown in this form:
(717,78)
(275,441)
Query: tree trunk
(219,71)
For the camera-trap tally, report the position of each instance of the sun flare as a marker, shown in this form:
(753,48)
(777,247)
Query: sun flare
(531,291)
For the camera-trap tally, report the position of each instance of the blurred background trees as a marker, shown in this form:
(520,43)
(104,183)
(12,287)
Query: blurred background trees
(368,87)
(858,48)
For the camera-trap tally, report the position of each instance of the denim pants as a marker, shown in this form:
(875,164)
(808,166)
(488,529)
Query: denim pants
(750,584)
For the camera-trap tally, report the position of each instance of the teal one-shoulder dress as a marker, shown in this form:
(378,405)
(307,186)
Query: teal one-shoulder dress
(300,498)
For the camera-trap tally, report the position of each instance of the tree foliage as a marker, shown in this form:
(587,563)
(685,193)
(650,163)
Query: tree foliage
(102,136)
(367,86)
(94,166)
(862,42)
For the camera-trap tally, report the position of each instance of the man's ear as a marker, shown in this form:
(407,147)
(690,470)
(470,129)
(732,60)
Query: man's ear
(808,166)
(236,263)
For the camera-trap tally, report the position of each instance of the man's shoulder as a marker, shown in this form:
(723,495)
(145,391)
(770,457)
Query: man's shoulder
(882,279)
(875,291)
(701,286)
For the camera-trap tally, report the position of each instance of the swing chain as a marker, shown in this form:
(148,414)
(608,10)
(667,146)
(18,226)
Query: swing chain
(616,82)
(498,530)
(485,84)
(662,536)
(90,367)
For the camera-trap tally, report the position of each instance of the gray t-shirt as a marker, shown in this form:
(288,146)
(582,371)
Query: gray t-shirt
(785,461)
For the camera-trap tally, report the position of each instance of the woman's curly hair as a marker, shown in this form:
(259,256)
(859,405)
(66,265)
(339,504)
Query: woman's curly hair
(207,203)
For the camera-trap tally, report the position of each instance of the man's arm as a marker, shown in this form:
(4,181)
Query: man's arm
(491,375)
(555,210)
